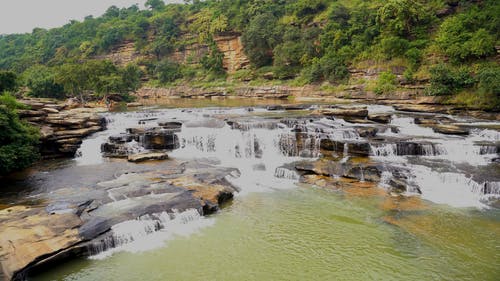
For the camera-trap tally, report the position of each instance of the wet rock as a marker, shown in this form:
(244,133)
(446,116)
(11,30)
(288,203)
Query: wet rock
(141,157)
(433,120)
(81,133)
(29,234)
(121,138)
(383,118)
(352,187)
(352,148)
(364,173)
(59,128)
(356,120)
(50,110)
(274,107)
(367,132)
(296,107)
(160,140)
(173,125)
(138,131)
(31,113)
(421,108)
(343,111)
(134,104)
(450,130)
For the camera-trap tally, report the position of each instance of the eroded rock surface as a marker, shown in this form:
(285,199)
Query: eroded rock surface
(62,127)
(77,221)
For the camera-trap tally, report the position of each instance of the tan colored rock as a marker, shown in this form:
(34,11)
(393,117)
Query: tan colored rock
(134,104)
(31,234)
(213,193)
(343,111)
(50,110)
(422,108)
(450,129)
(141,157)
(31,113)
(383,118)
(76,133)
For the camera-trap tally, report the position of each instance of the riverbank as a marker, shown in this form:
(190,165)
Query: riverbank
(413,98)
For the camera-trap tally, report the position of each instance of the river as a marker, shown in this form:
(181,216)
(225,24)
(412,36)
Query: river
(445,225)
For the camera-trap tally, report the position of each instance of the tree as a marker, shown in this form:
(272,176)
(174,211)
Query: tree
(167,71)
(260,38)
(41,81)
(8,81)
(155,4)
(18,141)
(401,16)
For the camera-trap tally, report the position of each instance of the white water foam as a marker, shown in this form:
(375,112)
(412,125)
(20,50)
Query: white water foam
(149,232)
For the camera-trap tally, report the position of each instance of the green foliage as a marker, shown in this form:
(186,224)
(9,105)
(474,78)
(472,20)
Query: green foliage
(401,16)
(446,81)
(313,41)
(155,4)
(167,71)
(386,83)
(464,36)
(489,80)
(18,141)
(40,80)
(8,81)
(260,38)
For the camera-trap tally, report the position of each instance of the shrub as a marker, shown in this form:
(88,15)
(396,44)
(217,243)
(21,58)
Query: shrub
(489,80)
(446,81)
(18,141)
(167,71)
(41,82)
(386,83)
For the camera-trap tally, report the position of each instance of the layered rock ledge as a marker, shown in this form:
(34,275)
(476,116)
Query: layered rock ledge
(62,127)
(78,222)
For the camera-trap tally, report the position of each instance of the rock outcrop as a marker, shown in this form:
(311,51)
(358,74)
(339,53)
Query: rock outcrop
(62,128)
(78,222)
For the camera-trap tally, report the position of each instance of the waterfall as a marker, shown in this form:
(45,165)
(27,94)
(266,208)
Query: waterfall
(284,173)
(455,189)
(147,232)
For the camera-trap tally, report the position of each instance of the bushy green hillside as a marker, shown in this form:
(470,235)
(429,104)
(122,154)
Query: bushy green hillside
(447,42)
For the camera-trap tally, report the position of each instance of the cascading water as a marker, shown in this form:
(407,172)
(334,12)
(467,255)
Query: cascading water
(148,232)
(261,149)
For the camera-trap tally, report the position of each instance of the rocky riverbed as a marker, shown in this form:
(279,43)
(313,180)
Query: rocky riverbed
(154,168)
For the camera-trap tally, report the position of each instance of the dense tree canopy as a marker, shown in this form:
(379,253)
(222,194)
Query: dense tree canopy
(312,41)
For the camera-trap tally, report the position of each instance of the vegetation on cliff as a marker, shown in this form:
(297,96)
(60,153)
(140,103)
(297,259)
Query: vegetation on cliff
(450,43)
(18,140)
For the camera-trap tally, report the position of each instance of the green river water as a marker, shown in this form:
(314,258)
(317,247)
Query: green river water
(307,233)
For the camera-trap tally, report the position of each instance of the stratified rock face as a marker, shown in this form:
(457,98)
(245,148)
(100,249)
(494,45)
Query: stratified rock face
(228,44)
(78,222)
(61,130)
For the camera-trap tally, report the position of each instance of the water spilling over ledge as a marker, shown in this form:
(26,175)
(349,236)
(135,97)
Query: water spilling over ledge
(217,153)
